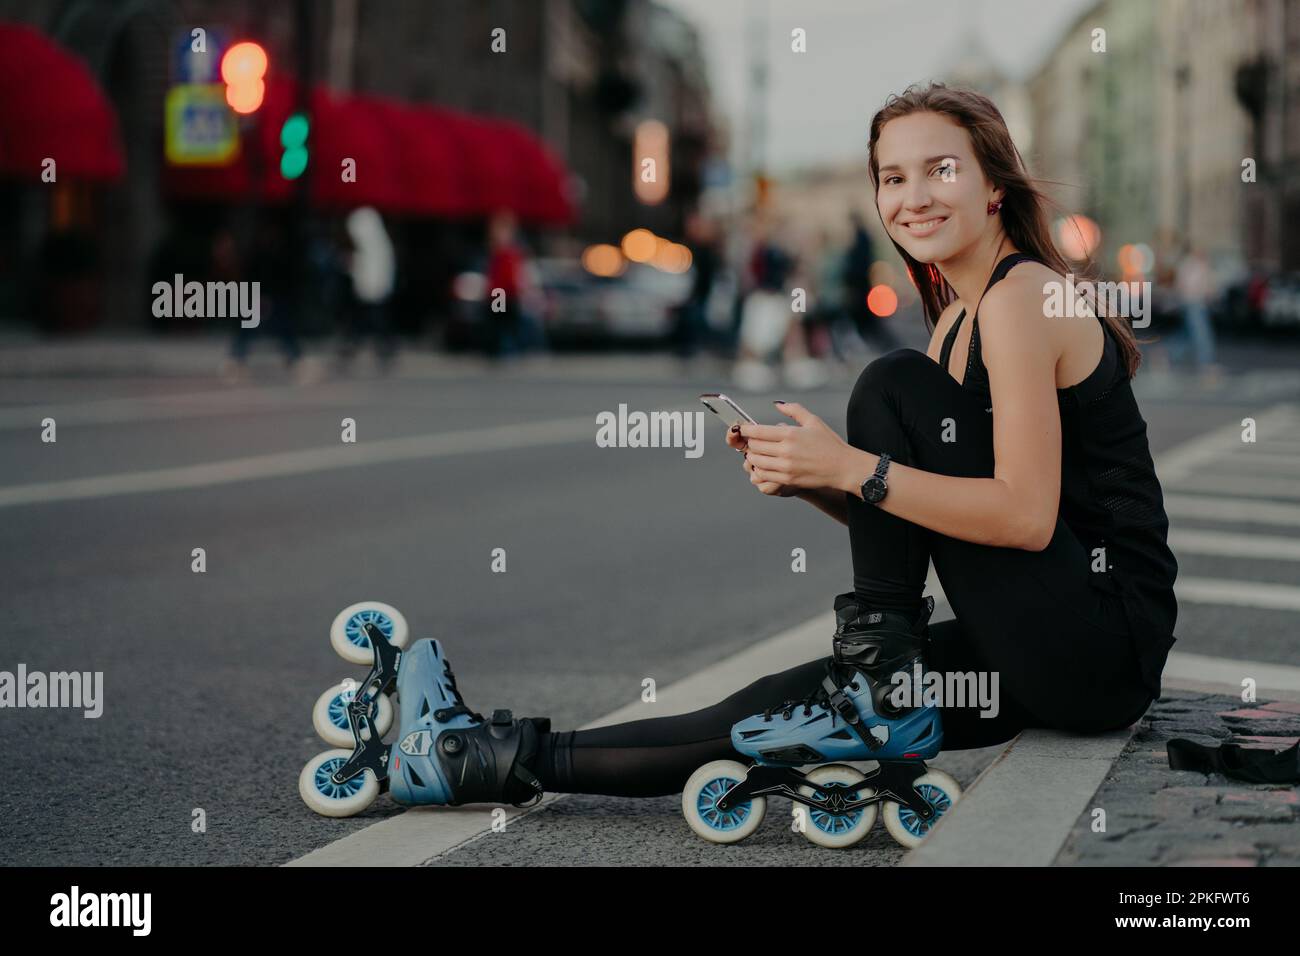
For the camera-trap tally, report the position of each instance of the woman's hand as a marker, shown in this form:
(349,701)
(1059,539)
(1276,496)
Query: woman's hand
(738,441)
(807,457)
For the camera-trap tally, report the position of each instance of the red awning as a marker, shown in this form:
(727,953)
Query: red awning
(52,107)
(435,172)
(346,129)
(542,191)
(491,169)
(409,160)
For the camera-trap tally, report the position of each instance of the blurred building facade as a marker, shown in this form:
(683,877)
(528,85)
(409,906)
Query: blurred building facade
(580,73)
(1148,137)
(971,65)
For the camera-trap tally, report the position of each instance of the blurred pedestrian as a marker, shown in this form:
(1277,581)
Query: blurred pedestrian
(273,267)
(766,320)
(372,267)
(692,327)
(857,284)
(507,287)
(1195,286)
(828,309)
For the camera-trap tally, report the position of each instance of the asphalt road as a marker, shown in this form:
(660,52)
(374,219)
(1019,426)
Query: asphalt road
(622,564)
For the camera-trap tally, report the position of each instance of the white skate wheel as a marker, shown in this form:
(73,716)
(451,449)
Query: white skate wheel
(702,792)
(331,799)
(348,635)
(330,715)
(939,790)
(828,829)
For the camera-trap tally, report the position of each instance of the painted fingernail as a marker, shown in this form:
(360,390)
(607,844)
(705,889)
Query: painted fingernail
(780,403)
(736,429)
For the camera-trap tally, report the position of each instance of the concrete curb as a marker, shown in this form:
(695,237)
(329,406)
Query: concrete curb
(1021,809)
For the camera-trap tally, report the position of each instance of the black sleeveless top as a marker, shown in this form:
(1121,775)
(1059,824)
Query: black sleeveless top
(1110,496)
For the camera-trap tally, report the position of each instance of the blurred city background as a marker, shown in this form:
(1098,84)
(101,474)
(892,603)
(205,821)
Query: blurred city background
(630,173)
(648,184)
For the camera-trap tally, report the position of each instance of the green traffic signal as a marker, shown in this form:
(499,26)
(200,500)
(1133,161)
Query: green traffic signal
(293,137)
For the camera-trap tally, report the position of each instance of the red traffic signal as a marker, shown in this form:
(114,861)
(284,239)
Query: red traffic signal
(243,69)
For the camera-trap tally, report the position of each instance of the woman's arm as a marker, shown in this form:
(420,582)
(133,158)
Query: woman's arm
(832,501)
(1015,508)
(828,500)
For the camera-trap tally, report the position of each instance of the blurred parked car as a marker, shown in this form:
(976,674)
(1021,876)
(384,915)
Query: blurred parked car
(631,309)
(1280,302)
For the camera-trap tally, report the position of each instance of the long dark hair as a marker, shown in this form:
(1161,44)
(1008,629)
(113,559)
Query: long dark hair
(1024,205)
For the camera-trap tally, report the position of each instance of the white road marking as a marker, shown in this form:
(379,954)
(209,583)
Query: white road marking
(1242,485)
(1198,671)
(1178,463)
(1274,597)
(555,431)
(1229,545)
(1231,509)
(281,464)
(1260,462)
(113,411)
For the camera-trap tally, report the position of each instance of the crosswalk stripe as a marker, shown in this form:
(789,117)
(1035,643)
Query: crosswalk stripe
(1231,545)
(1275,597)
(1247,486)
(1180,463)
(1255,465)
(1183,668)
(1251,511)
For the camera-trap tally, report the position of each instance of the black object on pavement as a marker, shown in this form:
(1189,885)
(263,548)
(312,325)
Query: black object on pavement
(1233,760)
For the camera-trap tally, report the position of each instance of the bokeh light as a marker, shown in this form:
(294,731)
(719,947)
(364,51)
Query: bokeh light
(882,300)
(1077,236)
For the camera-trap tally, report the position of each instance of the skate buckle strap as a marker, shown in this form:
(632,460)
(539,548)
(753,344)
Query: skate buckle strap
(843,705)
(444,714)
(520,770)
(523,773)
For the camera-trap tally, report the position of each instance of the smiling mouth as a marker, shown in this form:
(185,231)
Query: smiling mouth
(925,226)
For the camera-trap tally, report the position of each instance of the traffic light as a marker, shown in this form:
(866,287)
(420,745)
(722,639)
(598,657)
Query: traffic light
(243,69)
(293,137)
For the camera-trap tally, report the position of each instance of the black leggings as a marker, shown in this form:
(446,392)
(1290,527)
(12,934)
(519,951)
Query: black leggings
(1060,648)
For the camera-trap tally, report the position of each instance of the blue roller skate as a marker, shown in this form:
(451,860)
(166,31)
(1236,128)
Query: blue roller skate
(445,753)
(850,716)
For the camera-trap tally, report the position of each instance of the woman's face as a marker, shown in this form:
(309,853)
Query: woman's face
(933,196)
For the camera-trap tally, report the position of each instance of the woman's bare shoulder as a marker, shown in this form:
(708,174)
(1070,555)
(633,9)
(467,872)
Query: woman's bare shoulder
(946,318)
(1023,294)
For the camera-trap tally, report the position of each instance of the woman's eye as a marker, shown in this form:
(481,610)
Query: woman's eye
(890,180)
(946,171)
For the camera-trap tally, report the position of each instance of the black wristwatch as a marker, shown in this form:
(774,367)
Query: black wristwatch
(875,488)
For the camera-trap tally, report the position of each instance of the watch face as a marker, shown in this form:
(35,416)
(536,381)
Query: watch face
(873,489)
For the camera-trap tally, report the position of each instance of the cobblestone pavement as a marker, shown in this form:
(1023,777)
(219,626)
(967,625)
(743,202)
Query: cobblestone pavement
(1155,816)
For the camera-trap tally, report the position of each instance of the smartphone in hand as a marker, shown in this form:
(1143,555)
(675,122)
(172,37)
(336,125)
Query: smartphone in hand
(727,411)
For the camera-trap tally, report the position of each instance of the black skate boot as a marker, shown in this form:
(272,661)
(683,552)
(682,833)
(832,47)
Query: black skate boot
(878,645)
(449,755)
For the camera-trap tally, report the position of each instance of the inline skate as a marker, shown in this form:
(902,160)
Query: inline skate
(852,715)
(444,754)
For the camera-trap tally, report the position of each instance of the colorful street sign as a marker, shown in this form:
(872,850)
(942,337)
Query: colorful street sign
(200,129)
